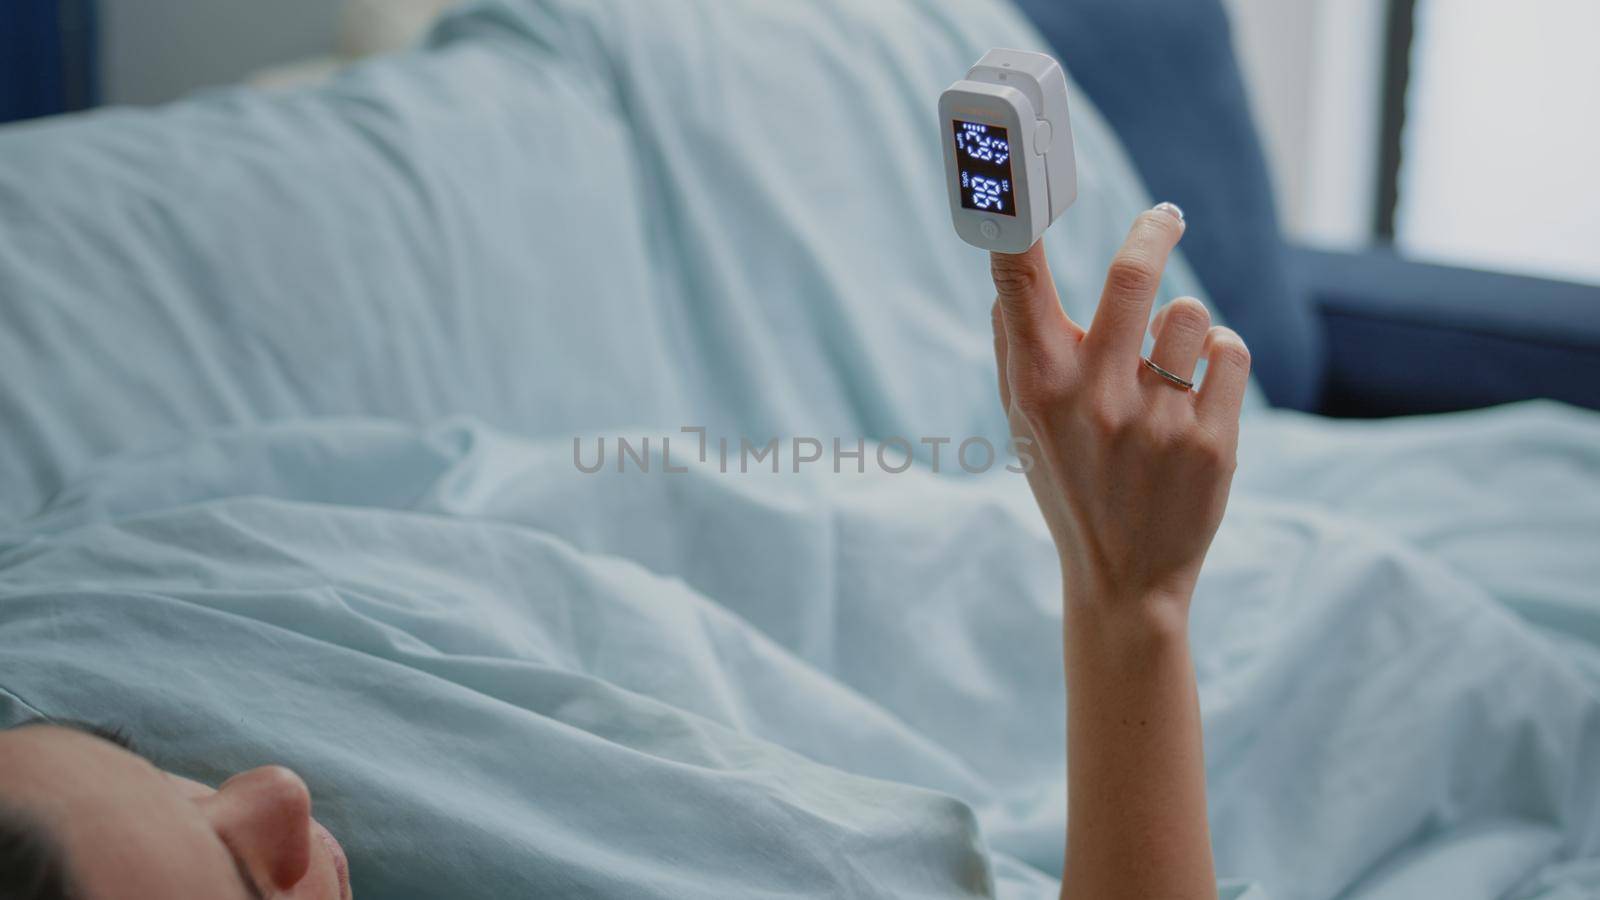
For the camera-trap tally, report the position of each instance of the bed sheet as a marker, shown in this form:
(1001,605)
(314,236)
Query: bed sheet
(501,674)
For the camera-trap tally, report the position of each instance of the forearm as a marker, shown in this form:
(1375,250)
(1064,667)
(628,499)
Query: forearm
(1134,463)
(1135,763)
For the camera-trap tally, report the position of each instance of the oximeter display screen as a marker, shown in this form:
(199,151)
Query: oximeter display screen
(983,163)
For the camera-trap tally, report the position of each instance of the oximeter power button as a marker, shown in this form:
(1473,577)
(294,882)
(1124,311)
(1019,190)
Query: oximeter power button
(989,229)
(1041,137)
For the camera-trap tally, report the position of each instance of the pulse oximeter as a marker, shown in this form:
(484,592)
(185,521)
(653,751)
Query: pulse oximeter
(1008,156)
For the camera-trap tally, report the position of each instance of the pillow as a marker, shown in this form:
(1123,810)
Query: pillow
(555,217)
(391,244)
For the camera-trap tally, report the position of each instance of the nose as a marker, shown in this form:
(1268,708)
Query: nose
(264,818)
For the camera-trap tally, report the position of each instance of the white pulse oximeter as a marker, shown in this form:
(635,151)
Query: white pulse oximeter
(1008,156)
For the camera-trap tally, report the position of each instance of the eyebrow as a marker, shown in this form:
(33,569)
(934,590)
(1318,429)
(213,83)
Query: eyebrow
(112,734)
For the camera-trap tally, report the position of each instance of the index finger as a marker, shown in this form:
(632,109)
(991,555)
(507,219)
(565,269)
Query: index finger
(1029,304)
(1131,283)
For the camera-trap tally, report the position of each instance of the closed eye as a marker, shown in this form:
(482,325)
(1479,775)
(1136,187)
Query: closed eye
(114,734)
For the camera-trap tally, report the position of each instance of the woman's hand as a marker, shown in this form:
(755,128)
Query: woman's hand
(1132,470)
(1132,474)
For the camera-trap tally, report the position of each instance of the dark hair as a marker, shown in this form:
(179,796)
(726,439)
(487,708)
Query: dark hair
(32,866)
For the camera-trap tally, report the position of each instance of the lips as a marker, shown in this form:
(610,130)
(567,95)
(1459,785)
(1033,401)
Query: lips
(341,865)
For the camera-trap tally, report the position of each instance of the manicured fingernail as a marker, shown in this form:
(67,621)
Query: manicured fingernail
(1172,210)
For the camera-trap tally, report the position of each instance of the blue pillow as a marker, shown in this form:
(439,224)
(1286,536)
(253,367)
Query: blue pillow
(1164,75)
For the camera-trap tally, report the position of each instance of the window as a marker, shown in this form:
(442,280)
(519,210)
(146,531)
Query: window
(1499,154)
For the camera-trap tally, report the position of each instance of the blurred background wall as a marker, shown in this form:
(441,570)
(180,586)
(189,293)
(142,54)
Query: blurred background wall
(1315,72)
(155,50)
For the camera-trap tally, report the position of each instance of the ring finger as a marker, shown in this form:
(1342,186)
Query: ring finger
(1180,330)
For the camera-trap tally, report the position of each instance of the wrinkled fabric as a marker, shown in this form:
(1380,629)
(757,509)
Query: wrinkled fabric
(500,673)
(556,215)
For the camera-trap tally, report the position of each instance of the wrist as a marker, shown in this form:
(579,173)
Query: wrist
(1122,642)
(1140,612)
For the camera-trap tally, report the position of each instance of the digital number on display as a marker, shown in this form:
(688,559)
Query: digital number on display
(983,159)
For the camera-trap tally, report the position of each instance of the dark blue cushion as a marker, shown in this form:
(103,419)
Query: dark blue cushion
(1408,337)
(1164,74)
(46,57)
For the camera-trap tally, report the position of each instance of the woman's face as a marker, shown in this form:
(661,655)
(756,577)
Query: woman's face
(131,830)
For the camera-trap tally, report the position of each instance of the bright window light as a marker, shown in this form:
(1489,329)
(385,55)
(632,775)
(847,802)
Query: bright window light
(1501,160)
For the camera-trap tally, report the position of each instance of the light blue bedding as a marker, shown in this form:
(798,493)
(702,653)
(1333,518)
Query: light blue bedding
(290,386)
(504,676)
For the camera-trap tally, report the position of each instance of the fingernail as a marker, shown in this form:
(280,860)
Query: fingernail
(1172,210)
